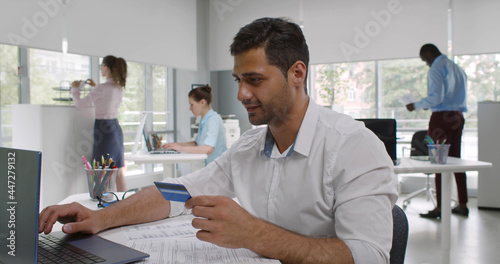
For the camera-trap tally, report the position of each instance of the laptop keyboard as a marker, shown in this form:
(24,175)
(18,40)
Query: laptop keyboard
(52,250)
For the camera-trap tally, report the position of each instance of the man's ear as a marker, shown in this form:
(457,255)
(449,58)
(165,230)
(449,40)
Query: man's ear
(297,73)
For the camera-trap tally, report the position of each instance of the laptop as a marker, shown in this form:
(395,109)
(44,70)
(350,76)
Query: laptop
(149,141)
(19,238)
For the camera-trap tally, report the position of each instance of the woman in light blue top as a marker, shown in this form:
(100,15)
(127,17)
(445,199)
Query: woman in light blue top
(211,139)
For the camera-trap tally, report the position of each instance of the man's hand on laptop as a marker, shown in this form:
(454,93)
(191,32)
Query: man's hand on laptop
(75,217)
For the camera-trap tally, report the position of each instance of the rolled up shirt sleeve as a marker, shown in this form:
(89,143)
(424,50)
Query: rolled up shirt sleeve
(363,210)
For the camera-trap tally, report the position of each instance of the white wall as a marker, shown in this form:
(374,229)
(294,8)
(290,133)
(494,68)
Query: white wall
(164,32)
(161,32)
(476,26)
(184,79)
(228,91)
(337,30)
(226,17)
(62,141)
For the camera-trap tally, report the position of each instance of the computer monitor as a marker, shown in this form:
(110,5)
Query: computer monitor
(385,129)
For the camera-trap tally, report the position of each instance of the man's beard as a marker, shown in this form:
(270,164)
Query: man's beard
(274,113)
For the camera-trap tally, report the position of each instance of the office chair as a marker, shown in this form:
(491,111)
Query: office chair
(419,148)
(399,236)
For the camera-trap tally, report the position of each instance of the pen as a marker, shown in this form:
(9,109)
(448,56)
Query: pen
(86,164)
(106,161)
(429,140)
(439,149)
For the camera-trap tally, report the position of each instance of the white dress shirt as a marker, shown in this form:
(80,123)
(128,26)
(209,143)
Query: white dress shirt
(336,181)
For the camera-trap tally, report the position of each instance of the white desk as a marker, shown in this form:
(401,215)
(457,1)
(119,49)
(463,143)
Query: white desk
(118,235)
(408,165)
(115,234)
(166,159)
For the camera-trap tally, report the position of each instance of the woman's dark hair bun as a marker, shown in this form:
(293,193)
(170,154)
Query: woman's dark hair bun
(201,92)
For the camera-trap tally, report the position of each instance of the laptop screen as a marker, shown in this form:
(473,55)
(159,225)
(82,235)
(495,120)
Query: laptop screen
(19,201)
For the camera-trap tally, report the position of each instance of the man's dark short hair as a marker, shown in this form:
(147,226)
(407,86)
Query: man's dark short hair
(283,42)
(431,49)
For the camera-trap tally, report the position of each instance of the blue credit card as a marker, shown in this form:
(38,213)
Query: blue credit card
(173,192)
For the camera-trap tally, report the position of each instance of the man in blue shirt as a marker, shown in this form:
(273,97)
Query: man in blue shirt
(446,98)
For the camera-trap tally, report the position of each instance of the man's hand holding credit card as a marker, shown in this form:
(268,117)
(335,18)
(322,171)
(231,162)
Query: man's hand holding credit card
(173,192)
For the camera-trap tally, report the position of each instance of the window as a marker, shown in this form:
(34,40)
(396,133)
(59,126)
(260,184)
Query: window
(9,91)
(131,107)
(483,78)
(334,84)
(352,94)
(397,79)
(162,113)
(143,82)
(50,71)
(51,74)
(160,98)
(377,89)
(162,103)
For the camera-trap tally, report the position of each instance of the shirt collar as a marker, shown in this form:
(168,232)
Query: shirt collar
(303,141)
(209,113)
(440,57)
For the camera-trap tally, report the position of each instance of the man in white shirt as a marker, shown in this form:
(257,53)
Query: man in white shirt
(314,186)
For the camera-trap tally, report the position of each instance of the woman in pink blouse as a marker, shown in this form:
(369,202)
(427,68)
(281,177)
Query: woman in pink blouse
(108,135)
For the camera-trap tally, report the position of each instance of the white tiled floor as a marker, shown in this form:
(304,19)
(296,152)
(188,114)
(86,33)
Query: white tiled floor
(474,240)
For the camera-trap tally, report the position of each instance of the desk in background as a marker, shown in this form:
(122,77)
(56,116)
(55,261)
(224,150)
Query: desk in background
(453,165)
(166,159)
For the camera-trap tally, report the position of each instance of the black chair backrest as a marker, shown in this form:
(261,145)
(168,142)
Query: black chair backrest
(399,236)
(385,129)
(418,144)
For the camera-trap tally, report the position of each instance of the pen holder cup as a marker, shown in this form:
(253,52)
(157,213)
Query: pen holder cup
(438,153)
(100,181)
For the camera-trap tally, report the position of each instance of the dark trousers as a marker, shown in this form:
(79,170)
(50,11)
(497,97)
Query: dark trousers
(449,125)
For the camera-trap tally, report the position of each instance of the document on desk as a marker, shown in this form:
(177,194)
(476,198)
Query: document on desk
(193,251)
(171,228)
